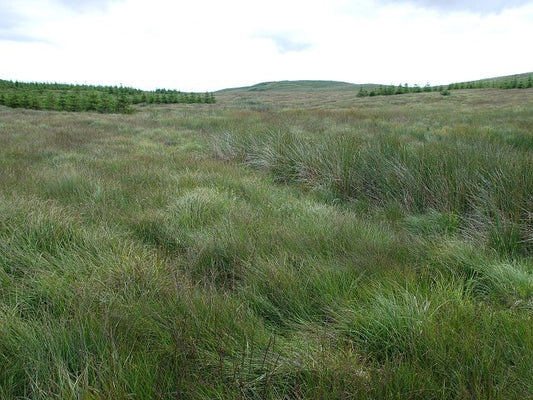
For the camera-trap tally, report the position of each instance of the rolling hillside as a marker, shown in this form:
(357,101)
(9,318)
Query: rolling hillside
(337,86)
(299,86)
(502,79)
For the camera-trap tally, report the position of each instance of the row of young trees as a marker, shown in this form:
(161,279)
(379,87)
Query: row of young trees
(68,101)
(400,89)
(512,83)
(103,99)
(41,86)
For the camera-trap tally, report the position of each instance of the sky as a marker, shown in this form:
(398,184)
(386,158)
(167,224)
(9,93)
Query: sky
(207,45)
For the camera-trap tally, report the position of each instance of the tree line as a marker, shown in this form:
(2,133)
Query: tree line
(393,90)
(511,83)
(103,99)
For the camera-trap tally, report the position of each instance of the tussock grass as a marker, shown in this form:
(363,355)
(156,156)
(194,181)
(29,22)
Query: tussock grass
(487,185)
(372,250)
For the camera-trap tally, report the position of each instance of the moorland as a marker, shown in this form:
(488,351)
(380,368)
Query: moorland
(297,241)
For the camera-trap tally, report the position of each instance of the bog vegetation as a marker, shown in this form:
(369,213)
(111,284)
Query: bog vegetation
(102,99)
(298,245)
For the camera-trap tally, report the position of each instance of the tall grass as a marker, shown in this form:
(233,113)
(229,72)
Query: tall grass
(134,264)
(489,186)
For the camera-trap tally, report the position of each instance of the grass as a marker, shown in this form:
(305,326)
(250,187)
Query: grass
(467,172)
(272,245)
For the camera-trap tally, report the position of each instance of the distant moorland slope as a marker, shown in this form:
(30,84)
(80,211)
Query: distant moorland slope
(519,81)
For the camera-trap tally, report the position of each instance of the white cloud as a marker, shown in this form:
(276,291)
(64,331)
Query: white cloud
(476,6)
(209,45)
(285,42)
(87,5)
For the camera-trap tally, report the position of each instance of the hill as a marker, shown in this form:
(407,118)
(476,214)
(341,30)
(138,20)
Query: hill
(504,82)
(517,81)
(300,86)
(499,80)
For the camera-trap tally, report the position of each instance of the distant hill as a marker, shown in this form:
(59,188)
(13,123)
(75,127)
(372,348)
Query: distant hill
(517,81)
(499,80)
(320,86)
(291,86)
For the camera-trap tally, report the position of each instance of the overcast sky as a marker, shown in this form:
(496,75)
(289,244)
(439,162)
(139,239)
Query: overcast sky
(206,45)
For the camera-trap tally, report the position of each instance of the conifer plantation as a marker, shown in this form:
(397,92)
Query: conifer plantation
(522,81)
(102,99)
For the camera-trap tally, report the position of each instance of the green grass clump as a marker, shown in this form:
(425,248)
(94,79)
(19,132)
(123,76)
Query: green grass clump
(282,245)
(486,185)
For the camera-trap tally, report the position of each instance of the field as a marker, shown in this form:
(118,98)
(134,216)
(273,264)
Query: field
(299,244)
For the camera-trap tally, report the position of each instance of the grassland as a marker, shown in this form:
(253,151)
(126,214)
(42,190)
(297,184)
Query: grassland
(276,244)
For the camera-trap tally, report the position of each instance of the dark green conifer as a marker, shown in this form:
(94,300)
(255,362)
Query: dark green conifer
(362,92)
(73,101)
(35,103)
(50,102)
(62,102)
(25,100)
(91,101)
(13,100)
(105,105)
(123,103)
